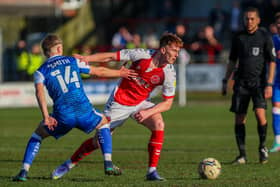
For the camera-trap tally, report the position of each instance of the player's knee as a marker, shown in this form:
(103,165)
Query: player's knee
(159,125)
(41,131)
(240,119)
(104,123)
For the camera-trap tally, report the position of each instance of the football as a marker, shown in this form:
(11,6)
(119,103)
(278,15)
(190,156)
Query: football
(209,168)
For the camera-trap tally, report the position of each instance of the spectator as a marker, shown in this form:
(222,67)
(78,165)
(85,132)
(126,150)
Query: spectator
(22,60)
(136,42)
(184,56)
(206,45)
(181,31)
(150,39)
(121,38)
(36,59)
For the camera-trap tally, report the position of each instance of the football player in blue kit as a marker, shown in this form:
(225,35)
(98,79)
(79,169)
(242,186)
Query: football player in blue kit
(276,90)
(71,107)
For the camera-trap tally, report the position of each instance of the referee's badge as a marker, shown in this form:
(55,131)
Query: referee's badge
(255,51)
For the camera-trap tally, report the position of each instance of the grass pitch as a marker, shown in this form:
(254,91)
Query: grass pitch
(203,128)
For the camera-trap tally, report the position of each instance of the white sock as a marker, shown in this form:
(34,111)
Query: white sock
(26,166)
(151,169)
(107,157)
(277,139)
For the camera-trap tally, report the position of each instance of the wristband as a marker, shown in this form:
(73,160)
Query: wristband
(269,84)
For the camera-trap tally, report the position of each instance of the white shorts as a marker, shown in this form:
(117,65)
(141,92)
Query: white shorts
(118,113)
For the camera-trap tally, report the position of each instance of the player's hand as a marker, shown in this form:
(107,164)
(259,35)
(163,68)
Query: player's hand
(224,87)
(50,122)
(141,116)
(268,92)
(127,73)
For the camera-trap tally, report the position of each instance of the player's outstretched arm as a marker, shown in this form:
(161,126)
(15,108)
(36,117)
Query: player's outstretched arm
(107,72)
(98,57)
(122,55)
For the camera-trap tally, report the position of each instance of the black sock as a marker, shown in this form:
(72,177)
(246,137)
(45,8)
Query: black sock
(262,129)
(240,138)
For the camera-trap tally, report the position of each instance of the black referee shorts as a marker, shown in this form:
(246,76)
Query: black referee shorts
(241,98)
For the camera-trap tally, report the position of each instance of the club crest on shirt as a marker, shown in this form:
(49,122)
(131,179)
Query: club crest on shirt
(255,51)
(155,79)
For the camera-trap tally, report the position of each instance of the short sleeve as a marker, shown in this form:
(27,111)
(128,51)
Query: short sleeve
(269,50)
(84,67)
(134,54)
(169,85)
(38,77)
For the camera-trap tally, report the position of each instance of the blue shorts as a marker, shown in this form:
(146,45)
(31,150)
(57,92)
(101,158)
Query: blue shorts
(86,122)
(276,93)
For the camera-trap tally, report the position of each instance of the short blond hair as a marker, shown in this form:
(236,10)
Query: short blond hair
(48,42)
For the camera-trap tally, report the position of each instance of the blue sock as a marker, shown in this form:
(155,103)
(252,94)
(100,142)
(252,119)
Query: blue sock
(32,149)
(105,141)
(276,121)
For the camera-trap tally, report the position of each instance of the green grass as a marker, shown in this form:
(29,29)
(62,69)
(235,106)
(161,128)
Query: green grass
(199,130)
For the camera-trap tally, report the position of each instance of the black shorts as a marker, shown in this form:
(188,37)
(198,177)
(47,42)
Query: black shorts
(241,98)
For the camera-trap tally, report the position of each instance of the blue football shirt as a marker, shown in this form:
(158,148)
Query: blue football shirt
(276,42)
(61,77)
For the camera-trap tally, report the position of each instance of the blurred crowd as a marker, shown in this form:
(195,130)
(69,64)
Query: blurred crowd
(206,44)
(27,60)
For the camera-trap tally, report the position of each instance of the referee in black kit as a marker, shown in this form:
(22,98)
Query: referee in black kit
(252,59)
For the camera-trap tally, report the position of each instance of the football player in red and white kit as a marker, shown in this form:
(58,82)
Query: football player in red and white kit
(131,97)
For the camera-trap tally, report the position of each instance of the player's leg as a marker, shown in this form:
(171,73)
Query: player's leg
(260,113)
(262,132)
(240,103)
(276,127)
(117,115)
(240,135)
(86,148)
(105,142)
(276,118)
(155,124)
(32,148)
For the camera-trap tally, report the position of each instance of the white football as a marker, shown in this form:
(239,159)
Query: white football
(209,168)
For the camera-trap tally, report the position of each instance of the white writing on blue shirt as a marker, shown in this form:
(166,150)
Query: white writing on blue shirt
(59,62)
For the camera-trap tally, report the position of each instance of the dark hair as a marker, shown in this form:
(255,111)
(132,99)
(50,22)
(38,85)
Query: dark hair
(48,42)
(253,9)
(168,38)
